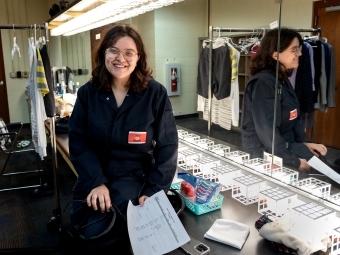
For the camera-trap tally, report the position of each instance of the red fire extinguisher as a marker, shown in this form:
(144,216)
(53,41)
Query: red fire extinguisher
(173,80)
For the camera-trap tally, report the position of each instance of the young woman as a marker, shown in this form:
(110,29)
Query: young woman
(122,133)
(291,141)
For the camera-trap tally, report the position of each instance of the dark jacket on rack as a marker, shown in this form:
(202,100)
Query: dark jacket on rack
(258,117)
(304,82)
(100,149)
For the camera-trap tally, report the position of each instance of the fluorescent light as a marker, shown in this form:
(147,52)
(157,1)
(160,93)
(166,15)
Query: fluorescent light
(106,13)
(333,8)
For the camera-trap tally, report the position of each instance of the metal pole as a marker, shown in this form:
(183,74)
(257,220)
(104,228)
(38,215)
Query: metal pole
(210,77)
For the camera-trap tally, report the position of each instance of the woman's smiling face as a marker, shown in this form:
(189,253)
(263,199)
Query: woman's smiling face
(290,56)
(121,58)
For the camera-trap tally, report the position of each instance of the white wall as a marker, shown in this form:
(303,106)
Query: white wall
(177,28)
(170,35)
(259,13)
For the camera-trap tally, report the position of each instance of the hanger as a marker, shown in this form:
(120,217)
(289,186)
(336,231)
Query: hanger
(31,36)
(15,45)
(219,41)
(216,42)
(307,37)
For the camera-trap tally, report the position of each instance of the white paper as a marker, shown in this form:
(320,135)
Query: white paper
(316,163)
(155,228)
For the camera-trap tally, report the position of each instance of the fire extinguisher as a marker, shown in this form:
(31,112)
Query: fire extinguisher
(173,80)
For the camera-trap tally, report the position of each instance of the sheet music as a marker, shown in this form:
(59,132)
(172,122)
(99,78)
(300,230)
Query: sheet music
(155,228)
(316,163)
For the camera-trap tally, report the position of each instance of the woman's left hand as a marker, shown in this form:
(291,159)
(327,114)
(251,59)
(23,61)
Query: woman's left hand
(316,147)
(142,199)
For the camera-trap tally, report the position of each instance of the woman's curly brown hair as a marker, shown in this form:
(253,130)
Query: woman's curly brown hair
(141,75)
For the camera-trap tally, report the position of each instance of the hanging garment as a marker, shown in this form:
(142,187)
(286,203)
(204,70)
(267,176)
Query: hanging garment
(304,82)
(234,62)
(316,44)
(38,115)
(220,112)
(49,98)
(322,92)
(41,78)
(234,90)
(221,73)
(332,78)
(224,112)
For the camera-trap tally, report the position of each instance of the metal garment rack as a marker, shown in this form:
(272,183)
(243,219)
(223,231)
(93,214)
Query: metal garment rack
(55,222)
(248,30)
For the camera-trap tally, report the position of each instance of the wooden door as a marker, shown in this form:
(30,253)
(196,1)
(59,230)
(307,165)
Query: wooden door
(4,111)
(326,128)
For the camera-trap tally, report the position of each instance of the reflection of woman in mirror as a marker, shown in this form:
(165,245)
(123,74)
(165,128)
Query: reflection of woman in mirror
(291,141)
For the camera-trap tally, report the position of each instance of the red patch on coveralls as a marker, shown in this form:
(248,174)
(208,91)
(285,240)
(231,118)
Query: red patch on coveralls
(293,114)
(137,137)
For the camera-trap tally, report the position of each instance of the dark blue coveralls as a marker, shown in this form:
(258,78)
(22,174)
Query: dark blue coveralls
(258,116)
(101,153)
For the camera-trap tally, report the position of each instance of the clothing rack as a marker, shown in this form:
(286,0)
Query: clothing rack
(55,221)
(248,30)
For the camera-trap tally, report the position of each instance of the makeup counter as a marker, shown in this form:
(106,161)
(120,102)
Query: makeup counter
(250,189)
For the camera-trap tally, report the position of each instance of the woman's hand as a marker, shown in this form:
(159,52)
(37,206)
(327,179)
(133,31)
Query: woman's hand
(304,166)
(99,196)
(316,147)
(142,199)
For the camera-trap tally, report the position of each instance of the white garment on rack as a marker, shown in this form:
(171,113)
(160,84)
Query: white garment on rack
(220,111)
(38,114)
(224,112)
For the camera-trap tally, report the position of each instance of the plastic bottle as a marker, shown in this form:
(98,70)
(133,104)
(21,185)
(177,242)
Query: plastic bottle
(77,86)
(58,88)
(63,88)
(70,85)
(74,88)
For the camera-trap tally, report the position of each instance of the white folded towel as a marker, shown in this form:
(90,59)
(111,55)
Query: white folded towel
(228,232)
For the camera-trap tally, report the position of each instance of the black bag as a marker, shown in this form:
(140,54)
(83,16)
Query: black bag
(61,125)
(99,231)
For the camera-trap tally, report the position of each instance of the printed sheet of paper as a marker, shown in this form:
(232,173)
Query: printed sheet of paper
(155,228)
(316,163)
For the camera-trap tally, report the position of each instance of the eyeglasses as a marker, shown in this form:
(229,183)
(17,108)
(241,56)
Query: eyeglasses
(113,52)
(297,49)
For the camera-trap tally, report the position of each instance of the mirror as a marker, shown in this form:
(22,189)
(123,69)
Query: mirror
(71,55)
(174,34)
(317,80)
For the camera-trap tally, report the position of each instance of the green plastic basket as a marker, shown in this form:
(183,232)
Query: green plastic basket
(197,208)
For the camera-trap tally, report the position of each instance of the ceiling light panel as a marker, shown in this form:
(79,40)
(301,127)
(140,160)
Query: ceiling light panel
(108,12)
